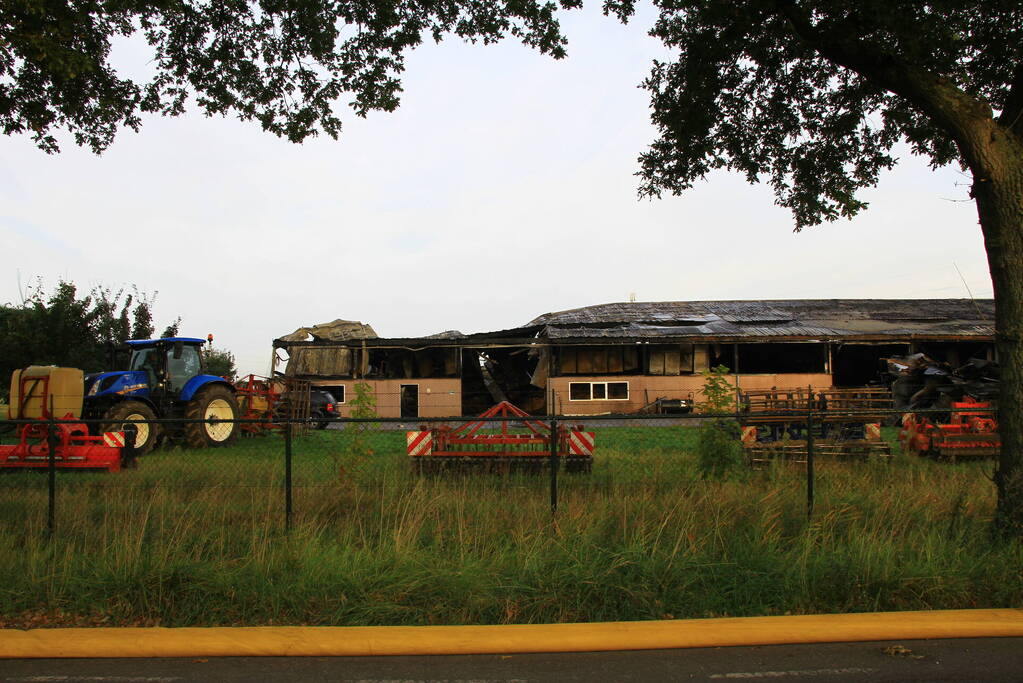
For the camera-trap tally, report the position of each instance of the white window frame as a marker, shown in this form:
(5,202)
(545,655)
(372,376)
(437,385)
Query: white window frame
(606,398)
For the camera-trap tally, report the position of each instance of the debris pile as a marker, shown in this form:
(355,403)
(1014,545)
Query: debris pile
(922,382)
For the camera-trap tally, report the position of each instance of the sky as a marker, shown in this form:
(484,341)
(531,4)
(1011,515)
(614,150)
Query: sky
(502,188)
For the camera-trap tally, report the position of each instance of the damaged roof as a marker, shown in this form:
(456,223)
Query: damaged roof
(878,320)
(798,318)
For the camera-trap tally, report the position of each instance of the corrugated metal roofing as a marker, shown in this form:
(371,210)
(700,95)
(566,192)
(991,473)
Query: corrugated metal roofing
(796,319)
(801,318)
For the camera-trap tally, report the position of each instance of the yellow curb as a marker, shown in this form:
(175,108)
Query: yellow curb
(320,641)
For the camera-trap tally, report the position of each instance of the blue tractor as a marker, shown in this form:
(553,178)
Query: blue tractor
(165,379)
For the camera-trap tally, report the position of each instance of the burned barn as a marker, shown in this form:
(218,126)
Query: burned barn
(630,357)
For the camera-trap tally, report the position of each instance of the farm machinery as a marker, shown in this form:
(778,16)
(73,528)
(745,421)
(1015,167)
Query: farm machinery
(264,401)
(164,381)
(514,442)
(47,402)
(970,432)
(846,423)
(952,410)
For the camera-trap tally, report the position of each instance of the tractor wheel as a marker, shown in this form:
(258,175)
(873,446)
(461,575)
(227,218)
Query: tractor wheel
(140,416)
(210,405)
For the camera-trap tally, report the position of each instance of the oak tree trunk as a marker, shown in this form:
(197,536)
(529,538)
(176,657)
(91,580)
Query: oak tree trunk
(998,191)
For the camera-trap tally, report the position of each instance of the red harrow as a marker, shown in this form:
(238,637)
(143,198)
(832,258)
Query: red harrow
(516,443)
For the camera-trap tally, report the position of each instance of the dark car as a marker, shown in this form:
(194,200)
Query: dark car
(322,408)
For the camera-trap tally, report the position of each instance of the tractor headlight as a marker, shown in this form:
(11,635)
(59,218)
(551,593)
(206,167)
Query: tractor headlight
(102,385)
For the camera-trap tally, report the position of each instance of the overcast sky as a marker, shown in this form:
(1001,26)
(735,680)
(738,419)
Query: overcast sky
(502,188)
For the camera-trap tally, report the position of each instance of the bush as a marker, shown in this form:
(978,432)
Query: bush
(718,449)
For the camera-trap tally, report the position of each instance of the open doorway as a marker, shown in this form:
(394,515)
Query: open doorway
(410,400)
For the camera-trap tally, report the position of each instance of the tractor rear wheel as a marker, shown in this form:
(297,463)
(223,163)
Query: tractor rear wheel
(211,414)
(140,416)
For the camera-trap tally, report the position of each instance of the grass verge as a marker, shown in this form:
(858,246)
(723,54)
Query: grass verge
(197,538)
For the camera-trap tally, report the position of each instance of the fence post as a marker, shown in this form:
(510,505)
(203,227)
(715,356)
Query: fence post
(51,447)
(554,466)
(129,453)
(809,456)
(287,476)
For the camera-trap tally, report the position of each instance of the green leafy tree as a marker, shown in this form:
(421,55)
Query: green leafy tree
(142,327)
(172,329)
(718,448)
(810,96)
(219,362)
(358,436)
(68,330)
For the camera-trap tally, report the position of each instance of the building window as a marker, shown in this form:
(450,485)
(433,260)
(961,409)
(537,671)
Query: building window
(598,391)
(599,360)
(336,390)
(670,360)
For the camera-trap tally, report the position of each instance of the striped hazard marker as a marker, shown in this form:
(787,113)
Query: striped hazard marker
(419,443)
(872,431)
(114,439)
(580,443)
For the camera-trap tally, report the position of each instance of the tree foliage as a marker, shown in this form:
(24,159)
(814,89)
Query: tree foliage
(811,96)
(282,63)
(219,362)
(63,329)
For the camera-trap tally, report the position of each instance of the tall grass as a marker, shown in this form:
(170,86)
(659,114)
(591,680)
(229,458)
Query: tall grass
(197,538)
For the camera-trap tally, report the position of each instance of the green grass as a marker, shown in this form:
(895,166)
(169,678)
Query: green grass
(197,538)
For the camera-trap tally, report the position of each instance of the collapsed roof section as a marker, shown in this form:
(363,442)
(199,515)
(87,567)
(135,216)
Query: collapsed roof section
(339,330)
(323,361)
(877,320)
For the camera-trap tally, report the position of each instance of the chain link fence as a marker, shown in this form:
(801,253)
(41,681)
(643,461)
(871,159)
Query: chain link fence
(334,471)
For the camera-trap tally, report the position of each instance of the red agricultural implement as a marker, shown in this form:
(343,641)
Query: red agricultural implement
(516,443)
(972,432)
(263,402)
(36,393)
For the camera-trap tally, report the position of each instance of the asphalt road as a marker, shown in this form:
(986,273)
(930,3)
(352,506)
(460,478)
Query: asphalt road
(961,661)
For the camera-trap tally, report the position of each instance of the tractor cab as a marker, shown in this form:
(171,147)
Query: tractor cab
(169,364)
(158,369)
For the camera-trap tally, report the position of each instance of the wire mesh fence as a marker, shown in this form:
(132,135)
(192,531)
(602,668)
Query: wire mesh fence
(271,477)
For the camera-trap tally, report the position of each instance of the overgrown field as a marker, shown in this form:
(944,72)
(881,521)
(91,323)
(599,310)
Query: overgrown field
(197,538)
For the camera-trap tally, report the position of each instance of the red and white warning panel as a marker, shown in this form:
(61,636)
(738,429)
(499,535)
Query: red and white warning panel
(419,442)
(581,443)
(114,439)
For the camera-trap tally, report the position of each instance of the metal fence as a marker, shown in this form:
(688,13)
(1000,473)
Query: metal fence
(285,473)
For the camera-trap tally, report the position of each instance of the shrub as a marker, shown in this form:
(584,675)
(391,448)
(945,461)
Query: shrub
(718,449)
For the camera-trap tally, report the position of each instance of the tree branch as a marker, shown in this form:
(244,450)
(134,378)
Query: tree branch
(949,106)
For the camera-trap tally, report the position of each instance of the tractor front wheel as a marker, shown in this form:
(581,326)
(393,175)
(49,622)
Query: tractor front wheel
(210,418)
(140,416)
